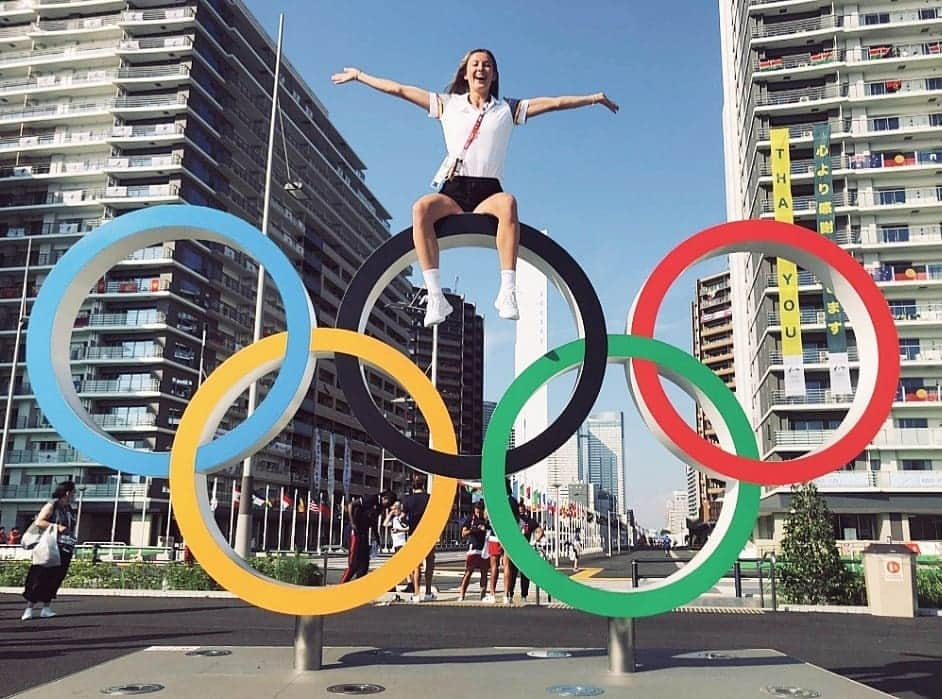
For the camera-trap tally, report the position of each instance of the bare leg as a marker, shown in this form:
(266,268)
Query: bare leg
(425,212)
(503,206)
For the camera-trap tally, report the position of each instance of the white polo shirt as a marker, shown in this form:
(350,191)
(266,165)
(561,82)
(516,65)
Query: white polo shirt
(488,151)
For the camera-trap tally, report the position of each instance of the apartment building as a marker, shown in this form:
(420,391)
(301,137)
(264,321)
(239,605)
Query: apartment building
(107,107)
(872,71)
(712,321)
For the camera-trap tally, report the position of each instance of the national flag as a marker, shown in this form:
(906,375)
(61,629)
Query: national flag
(301,506)
(285,502)
(258,500)
(313,506)
(236,494)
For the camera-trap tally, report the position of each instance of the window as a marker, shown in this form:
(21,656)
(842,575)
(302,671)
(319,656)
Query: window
(934,83)
(909,348)
(915,465)
(891,196)
(884,124)
(895,233)
(854,527)
(932,13)
(904,309)
(911,423)
(877,18)
(925,527)
(935,119)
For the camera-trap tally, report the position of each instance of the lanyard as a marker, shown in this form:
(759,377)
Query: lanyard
(473,134)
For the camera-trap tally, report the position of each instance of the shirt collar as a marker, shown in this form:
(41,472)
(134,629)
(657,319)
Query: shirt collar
(466,105)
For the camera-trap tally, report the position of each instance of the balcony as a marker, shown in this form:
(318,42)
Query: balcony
(109,420)
(805,131)
(16,10)
(70,198)
(133,286)
(897,89)
(806,206)
(802,440)
(805,278)
(134,196)
(143,166)
(889,52)
(112,354)
(909,438)
(797,27)
(55,111)
(801,95)
(154,48)
(70,7)
(813,356)
(72,55)
(149,106)
(50,144)
(892,125)
(70,26)
(119,386)
(908,197)
(169,18)
(56,83)
(923,394)
(808,316)
(918,312)
(149,135)
(813,397)
(152,76)
(98,491)
(36,456)
(128,319)
(76,168)
(907,235)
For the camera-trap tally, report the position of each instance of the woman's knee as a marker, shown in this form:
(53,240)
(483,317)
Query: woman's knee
(506,206)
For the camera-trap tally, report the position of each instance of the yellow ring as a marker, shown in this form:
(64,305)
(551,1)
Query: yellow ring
(191,500)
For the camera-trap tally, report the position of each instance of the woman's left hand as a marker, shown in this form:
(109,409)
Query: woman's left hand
(602,98)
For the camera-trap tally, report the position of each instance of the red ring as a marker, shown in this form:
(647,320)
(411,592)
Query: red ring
(738,236)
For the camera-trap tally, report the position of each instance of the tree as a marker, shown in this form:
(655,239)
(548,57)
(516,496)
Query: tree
(812,572)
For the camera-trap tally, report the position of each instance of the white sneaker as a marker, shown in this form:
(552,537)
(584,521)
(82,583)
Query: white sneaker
(507,600)
(416,598)
(524,600)
(506,305)
(27,614)
(47,613)
(431,597)
(461,598)
(490,599)
(437,309)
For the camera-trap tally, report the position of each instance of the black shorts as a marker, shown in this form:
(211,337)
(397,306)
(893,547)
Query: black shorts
(468,192)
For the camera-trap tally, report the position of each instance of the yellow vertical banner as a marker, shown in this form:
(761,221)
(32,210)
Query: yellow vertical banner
(788,310)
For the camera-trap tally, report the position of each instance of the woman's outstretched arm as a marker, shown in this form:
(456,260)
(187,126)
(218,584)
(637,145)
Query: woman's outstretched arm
(542,105)
(416,95)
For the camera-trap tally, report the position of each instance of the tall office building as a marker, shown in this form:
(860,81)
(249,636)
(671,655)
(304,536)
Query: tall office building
(712,314)
(676,516)
(109,106)
(563,469)
(872,71)
(530,345)
(604,455)
(460,370)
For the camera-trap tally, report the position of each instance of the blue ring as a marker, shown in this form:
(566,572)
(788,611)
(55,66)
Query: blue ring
(49,329)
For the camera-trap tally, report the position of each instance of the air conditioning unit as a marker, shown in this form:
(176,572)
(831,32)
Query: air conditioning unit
(45,80)
(116,191)
(122,131)
(22,170)
(804,98)
(18,232)
(68,228)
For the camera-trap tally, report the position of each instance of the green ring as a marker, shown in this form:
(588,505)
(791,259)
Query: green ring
(698,575)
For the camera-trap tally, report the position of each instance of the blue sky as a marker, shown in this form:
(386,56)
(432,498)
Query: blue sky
(618,191)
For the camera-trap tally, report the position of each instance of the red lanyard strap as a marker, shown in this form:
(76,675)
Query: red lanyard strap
(473,134)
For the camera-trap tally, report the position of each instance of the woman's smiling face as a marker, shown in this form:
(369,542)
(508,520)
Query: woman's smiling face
(480,72)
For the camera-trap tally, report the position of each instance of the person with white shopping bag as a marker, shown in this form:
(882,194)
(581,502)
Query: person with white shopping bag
(51,538)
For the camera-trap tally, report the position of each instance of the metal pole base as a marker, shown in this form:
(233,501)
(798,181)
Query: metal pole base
(308,643)
(621,646)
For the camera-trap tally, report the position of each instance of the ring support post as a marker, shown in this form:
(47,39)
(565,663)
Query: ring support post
(621,646)
(308,643)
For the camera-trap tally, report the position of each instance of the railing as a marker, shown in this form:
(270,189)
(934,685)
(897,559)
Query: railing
(901,235)
(158,15)
(805,166)
(893,123)
(54,110)
(923,394)
(109,420)
(806,130)
(120,319)
(168,129)
(802,438)
(807,316)
(908,437)
(869,54)
(97,491)
(887,273)
(138,385)
(17,142)
(144,102)
(883,480)
(906,197)
(157,253)
(155,352)
(897,87)
(148,161)
(807,203)
(798,26)
(805,278)
(811,396)
(918,311)
(799,60)
(807,94)
(134,286)
(12,5)
(814,356)
(64,25)
(141,192)
(152,71)
(72,53)
(174,42)
(35,456)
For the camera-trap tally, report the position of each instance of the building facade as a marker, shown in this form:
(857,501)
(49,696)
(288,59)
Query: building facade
(675,517)
(873,72)
(712,314)
(460,374)
(603,455)
(107,107)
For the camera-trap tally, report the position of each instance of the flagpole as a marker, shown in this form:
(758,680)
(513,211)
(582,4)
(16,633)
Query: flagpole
(245,513)
(343,508)
(281,515)
(320,524)
(307,523)
(16,354)
(330,524)
(294,521)
(232,506)
(265,524)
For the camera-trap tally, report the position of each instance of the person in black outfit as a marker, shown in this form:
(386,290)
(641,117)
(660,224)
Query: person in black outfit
(364,515)
(413,508)
(42,583)
(532,532)
(474,528)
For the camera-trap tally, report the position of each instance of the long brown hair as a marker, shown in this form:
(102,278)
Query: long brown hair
(459,83)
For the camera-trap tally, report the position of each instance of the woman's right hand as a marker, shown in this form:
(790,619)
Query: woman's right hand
(345,76)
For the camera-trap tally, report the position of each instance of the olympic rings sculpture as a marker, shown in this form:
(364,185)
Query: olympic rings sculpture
(195,452)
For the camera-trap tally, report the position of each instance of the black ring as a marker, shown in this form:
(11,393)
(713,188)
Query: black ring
(396,254)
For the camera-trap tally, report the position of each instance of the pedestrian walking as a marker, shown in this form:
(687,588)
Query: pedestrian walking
(364,513)
(14,538)
(413,507)
(398,526)
(575,549)
(43,581)
(474,528)
(477,124)
(4,537)
(533,533)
